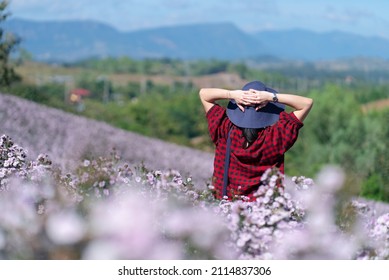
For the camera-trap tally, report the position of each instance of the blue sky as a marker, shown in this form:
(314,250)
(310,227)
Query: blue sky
(368,17)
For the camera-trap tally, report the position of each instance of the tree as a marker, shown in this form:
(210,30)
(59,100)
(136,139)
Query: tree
(8,43)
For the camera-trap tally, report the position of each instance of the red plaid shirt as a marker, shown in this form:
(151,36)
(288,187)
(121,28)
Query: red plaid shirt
(248,165)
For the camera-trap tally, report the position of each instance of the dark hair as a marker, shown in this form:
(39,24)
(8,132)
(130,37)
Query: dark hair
(250,135)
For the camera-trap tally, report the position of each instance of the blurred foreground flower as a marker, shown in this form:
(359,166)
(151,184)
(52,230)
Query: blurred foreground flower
(107,210)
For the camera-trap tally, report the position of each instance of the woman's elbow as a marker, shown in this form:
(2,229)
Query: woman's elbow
(308,106)
(309,103)
(202,93)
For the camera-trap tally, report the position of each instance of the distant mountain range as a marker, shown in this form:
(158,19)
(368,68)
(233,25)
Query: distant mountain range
(75,40)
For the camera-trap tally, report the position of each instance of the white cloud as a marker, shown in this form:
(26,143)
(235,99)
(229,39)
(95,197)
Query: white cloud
(348,15)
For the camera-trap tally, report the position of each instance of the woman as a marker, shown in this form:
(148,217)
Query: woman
(251,135)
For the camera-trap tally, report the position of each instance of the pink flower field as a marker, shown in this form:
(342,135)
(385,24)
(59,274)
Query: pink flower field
(66,194)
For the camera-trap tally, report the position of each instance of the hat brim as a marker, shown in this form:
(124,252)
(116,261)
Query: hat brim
(251,118)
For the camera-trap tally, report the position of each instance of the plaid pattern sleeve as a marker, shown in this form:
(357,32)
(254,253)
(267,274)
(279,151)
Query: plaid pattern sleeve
(217,123)
(286,131)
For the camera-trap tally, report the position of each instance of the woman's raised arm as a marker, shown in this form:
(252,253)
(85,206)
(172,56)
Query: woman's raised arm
(209,96)
(301,104)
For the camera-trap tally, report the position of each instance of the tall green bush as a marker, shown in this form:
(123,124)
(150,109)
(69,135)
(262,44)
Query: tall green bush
(8,43)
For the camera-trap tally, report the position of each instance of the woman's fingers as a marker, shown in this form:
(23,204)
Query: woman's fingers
(260,106)
(253,99)
(249,97)
(240,107)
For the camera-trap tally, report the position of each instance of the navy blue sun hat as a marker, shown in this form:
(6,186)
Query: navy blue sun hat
(251,118)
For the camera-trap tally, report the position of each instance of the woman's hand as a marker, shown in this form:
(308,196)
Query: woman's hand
(259,98)
(255,98)
(241,98)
